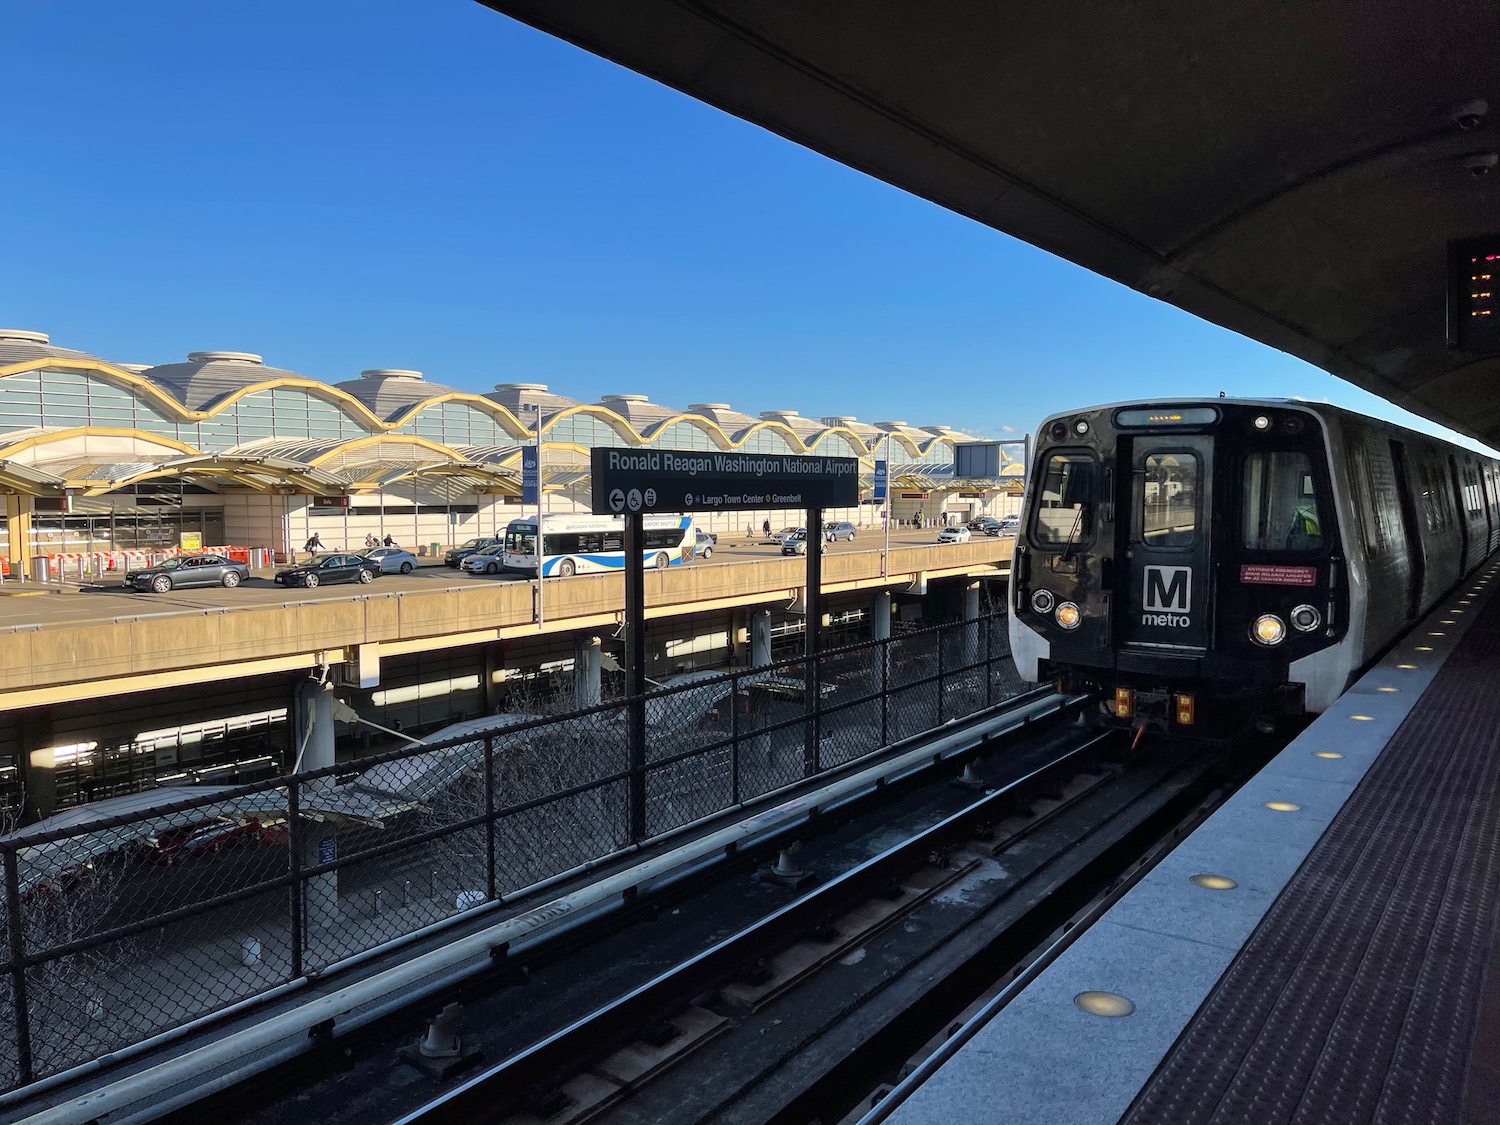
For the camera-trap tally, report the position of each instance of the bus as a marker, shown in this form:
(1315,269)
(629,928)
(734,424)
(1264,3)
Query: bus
(586,544)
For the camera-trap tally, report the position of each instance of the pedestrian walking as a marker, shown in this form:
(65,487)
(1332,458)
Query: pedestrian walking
(390,540)
(766,528)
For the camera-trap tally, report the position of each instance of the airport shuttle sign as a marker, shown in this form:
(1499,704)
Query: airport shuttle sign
(627,481)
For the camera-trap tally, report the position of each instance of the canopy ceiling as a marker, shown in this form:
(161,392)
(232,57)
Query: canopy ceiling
(1293,172)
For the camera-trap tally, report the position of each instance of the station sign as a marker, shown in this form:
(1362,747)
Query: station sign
(631,481)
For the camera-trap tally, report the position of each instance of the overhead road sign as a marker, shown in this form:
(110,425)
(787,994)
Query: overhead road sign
(635,481)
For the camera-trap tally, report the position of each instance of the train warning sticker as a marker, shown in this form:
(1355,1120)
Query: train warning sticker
(1259,575)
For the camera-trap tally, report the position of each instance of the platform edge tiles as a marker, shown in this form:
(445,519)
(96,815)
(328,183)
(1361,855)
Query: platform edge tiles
(1166,943)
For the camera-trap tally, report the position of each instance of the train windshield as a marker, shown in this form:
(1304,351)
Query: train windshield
(1280,503)
(1065,501)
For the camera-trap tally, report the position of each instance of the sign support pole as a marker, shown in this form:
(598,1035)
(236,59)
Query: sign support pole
(885,498)
(811,636)
(635,672)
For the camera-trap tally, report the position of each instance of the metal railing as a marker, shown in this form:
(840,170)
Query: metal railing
(126,928)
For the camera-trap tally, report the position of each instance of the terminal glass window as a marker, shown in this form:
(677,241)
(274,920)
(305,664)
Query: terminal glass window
(1280,503)
(1065,500)
(1169,500)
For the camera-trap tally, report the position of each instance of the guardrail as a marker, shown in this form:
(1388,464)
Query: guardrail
(121,930)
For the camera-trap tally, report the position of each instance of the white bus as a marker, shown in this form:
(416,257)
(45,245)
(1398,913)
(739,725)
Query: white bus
(586,544)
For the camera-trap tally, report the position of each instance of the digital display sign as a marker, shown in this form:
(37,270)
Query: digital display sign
(1167,416)
(1473,318)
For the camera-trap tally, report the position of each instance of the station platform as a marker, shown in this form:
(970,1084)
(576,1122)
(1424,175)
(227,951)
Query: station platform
(1318,951)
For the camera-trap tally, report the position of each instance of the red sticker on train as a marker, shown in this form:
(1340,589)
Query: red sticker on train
(1256,575)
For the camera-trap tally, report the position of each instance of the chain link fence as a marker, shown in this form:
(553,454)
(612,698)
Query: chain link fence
(116,930)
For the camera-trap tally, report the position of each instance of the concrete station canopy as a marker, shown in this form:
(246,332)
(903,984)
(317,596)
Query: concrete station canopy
(1292,172)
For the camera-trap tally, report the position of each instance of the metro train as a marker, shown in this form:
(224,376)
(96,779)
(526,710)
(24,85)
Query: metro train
(1222,563)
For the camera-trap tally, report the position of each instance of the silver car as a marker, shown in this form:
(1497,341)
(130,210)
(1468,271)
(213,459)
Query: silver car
(391,560)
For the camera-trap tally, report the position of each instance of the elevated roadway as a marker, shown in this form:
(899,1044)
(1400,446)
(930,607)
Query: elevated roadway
(67,647)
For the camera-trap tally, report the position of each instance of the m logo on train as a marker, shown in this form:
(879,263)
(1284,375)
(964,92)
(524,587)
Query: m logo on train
(1167,596)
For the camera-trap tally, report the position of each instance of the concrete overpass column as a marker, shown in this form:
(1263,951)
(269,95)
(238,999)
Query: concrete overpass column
(319,840)
(760,638)
(37,762)
(586,669)
(18,532)
(971,626)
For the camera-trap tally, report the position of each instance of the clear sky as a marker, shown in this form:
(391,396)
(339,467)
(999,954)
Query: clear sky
(343,185)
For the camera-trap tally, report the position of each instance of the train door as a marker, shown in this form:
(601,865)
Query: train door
(1416,559)
(1164,592)
(1463,506)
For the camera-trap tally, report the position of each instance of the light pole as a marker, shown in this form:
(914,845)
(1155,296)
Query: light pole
(536,408)
(886,519)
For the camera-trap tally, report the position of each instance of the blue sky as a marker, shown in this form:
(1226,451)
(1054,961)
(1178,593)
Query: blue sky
(343,185)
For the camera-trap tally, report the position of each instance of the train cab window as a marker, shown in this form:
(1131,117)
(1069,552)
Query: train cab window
(1280,507)
(1169,499)
(1065,501)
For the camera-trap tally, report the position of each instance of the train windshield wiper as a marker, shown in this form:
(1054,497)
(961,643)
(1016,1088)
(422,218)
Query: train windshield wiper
(1072,542)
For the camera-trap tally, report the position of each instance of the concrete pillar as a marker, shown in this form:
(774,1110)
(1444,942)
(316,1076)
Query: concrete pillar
(492,660)
(37,763)
(586,668)
(760,638)
(971,628)
(320,896)
(18,532)
(880,616)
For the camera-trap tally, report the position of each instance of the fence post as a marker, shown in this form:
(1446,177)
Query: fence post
(885,691)
(940,676)
(734,739)
(489,813)
(17,953)
(294,868)
(989,659)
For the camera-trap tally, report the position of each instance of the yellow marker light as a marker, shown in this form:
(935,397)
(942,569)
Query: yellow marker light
(1408,667)
(1110,1004)
(1329,754)
(1068,615)
(1423,648)
(1436,633)
(1283,806)
(1182,710)
(1268,630)
(1387,689)
(1124,702)
(1213,882)
(1448,621)
(1363,718)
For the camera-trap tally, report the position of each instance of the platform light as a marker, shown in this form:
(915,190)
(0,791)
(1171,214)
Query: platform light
(1124,702)
(1042,601)
(1331,755)
(1363,718)
(1182,710)
(1268,630)
(1305,618)
(1408,667)
(1213,882)
(1109,1004)
(1423,648)
(1282,806)
(1388,690)
(1069,615)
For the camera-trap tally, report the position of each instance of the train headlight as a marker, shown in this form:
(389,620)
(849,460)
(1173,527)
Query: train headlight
(1068,615)
(1268,630)
(1081,427)
(1262,422)
(1042,601)
(1305,619)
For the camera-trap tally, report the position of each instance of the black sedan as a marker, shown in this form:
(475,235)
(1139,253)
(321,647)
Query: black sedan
(188,570)
(328,568)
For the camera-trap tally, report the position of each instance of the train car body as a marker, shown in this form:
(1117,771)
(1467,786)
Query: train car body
(1221,562)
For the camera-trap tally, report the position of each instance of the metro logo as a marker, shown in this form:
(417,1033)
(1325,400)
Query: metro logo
(1168,589)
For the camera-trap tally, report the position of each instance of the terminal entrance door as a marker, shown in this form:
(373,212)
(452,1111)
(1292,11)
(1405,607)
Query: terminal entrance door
(1164,592)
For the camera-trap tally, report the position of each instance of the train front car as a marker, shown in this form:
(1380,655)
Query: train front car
(1183,560)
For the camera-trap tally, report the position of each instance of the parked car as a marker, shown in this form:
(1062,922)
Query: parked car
(391,560)
(328,568)
(704,543)
(795,543)
(835,531)
(486,560)
(174,845)
(464,550)
(188,570)
(953,535)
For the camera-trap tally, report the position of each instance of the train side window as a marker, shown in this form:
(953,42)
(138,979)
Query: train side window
(1065,501)
(1169,500)
(1280,503)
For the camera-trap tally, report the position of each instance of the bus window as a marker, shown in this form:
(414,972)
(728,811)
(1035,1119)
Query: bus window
(1280,503)
(1065,501)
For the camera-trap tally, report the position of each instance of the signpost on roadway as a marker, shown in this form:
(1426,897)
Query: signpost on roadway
(636,482)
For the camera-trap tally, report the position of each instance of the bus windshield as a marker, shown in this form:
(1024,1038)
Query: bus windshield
(520,539)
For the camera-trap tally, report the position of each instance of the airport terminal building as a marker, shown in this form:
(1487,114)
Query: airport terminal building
(222,449)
